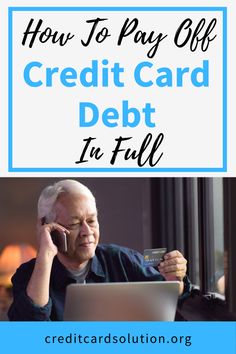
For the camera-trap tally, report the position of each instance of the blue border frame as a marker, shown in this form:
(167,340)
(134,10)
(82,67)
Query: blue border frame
(204,336)
(116,169)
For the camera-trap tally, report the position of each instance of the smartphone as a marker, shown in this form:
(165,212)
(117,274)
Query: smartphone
(58,238)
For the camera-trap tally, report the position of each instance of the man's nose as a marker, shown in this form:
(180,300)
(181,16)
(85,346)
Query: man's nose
(85,229)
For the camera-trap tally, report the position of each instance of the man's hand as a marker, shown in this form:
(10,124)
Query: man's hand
(38,286)
(174,267)
(44,237)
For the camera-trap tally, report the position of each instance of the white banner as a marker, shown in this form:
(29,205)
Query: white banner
(111,89)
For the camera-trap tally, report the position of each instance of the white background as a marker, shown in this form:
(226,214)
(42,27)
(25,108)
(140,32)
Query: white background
(46,127)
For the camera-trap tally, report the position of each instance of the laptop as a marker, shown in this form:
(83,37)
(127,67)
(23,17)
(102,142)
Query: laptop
(134,301)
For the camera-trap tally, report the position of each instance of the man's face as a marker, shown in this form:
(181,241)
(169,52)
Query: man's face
(78,214)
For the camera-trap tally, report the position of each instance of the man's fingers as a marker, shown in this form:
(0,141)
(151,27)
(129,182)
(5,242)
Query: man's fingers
(51,226)
(174,261)
(173,268)
(173,254)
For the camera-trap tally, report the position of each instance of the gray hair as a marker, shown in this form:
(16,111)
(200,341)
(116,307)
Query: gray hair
(50,194)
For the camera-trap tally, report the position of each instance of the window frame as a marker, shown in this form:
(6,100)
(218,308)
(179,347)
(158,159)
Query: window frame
(173,226)
(229,187)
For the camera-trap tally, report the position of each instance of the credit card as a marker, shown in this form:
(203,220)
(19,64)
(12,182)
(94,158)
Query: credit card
(152,257)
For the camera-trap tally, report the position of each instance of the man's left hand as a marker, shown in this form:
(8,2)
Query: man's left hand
(174,266)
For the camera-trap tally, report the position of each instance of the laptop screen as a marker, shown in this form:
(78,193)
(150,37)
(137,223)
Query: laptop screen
(135,301)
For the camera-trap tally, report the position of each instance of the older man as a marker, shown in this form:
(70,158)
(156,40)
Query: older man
(39,286)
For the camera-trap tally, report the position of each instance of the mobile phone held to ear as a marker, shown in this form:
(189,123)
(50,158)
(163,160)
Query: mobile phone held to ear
(58,238)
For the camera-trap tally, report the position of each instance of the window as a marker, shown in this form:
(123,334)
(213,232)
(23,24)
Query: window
(211,234)
(197,216)
(218,230)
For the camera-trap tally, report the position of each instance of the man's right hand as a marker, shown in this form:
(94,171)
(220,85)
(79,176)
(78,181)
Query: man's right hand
(44,237)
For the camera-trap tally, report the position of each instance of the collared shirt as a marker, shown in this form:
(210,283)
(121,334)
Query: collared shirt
(111,263)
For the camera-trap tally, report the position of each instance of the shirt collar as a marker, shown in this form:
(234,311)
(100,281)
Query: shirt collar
(61,277)
(96,267)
